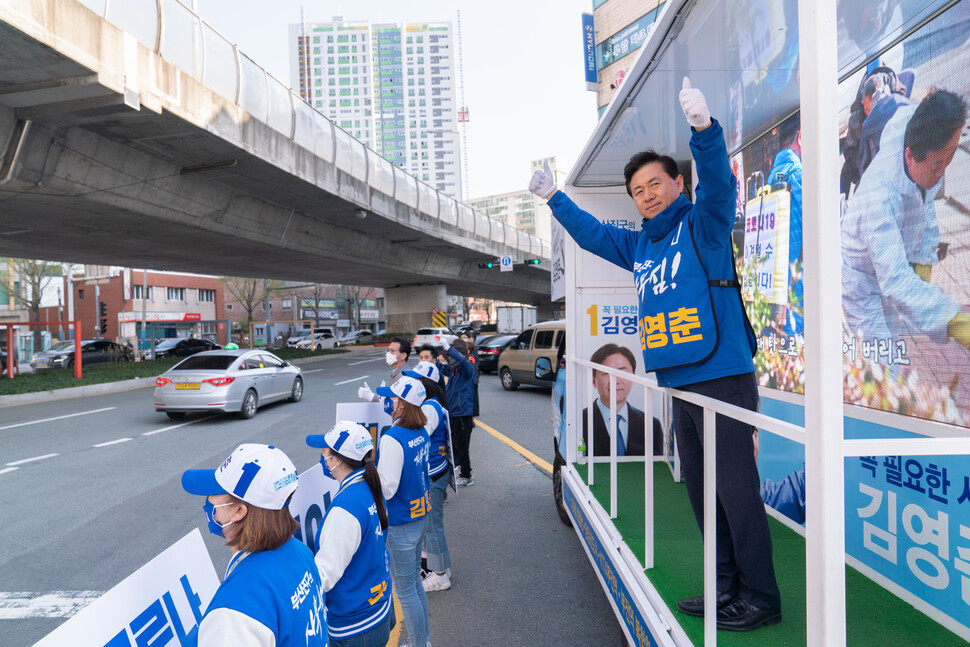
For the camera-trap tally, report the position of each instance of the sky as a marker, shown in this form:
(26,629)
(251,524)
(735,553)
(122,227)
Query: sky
(523,71)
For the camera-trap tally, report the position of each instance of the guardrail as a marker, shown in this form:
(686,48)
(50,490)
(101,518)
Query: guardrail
(711,407)
(177,34)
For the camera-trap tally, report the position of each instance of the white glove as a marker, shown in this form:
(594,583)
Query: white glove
(695,106)
(543,184)
(444,342)
(364,393)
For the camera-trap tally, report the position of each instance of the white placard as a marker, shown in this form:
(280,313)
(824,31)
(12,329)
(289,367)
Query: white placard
(506,264)
(310,502)
(369,414)
(160,603)
(558,266)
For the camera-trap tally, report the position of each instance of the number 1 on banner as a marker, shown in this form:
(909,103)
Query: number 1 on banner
(593,312)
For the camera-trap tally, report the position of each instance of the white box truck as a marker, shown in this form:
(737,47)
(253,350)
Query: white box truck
(515,319)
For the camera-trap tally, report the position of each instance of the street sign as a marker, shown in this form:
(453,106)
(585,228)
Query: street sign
(506,263)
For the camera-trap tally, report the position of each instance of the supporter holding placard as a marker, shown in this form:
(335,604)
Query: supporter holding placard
(352,554)
(403,467)
(271,594)
(441,470)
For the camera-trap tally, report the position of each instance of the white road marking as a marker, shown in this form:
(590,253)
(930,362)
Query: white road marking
(190,422)
(9,469)
(356,379)
(70,415)
(17,605)
(364,361)
(112,442)
(30,460)
(316,370)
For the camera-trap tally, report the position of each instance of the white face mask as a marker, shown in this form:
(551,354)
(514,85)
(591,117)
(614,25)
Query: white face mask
(390,358)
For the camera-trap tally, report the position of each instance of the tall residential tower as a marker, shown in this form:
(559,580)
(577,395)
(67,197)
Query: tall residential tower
(390,85)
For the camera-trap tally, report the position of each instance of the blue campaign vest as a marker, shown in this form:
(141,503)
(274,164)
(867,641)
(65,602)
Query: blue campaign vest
(678,326)
(440,446)
(411,501)
(281,589)
(361,598)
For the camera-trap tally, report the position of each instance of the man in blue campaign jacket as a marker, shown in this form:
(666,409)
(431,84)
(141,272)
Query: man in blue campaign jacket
(696,337)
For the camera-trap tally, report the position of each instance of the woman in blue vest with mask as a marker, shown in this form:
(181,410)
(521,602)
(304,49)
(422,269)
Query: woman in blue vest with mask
(271,595)
(352,556)
(402,462)
(441,470)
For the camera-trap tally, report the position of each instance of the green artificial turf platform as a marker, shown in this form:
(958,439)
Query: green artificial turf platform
(874,616)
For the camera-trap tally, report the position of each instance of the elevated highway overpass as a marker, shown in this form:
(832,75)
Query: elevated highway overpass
(132,133)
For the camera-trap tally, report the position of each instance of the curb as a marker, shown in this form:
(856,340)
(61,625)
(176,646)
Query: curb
(104,388)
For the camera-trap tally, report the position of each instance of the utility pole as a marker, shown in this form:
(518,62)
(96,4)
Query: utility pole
(144,317)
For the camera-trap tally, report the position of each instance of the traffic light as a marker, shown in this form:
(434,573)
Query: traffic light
(103,314)
(489,265)
(533,261)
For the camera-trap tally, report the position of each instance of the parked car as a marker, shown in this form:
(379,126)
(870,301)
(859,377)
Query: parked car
(517,363)
(300,335)
(468,326)
(183,347)
(297,337)
(93,352)
(3,364)
(433,336)
(233,381)
(356,337)
(320,341)
(489,349)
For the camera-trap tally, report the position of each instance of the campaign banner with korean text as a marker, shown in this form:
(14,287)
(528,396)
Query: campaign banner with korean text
(610,335)
(310,502)
(906,519)
(905,184)
(160,604)
(768,252)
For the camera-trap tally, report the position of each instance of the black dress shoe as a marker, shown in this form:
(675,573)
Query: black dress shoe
(744,616)
(695,606)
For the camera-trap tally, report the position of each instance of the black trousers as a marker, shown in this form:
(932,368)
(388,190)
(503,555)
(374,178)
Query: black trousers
(461,436)
(744,563)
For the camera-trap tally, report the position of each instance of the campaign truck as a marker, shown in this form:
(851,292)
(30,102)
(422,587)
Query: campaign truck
(858,294)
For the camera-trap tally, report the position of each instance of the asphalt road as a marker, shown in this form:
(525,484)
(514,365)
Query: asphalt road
(91,491)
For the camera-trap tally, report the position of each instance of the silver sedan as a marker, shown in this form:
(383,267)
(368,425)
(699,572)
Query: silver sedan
(233,381)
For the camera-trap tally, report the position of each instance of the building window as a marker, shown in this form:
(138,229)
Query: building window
(209,328)
(80,294)
(228,306)
(176,294)
(286,304)
(136,292)
(207,296)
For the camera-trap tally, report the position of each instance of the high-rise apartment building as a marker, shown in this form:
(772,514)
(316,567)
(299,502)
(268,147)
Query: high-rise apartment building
(390,85)
(521,209)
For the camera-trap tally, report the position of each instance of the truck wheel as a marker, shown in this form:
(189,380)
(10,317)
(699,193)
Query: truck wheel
(507,382)
(557,489)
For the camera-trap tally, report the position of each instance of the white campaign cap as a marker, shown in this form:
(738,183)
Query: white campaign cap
(347,438)
(260,475)
(425,369)
(407,388)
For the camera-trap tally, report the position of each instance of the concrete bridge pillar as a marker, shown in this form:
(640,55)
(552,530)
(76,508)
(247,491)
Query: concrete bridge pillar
(408,307)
